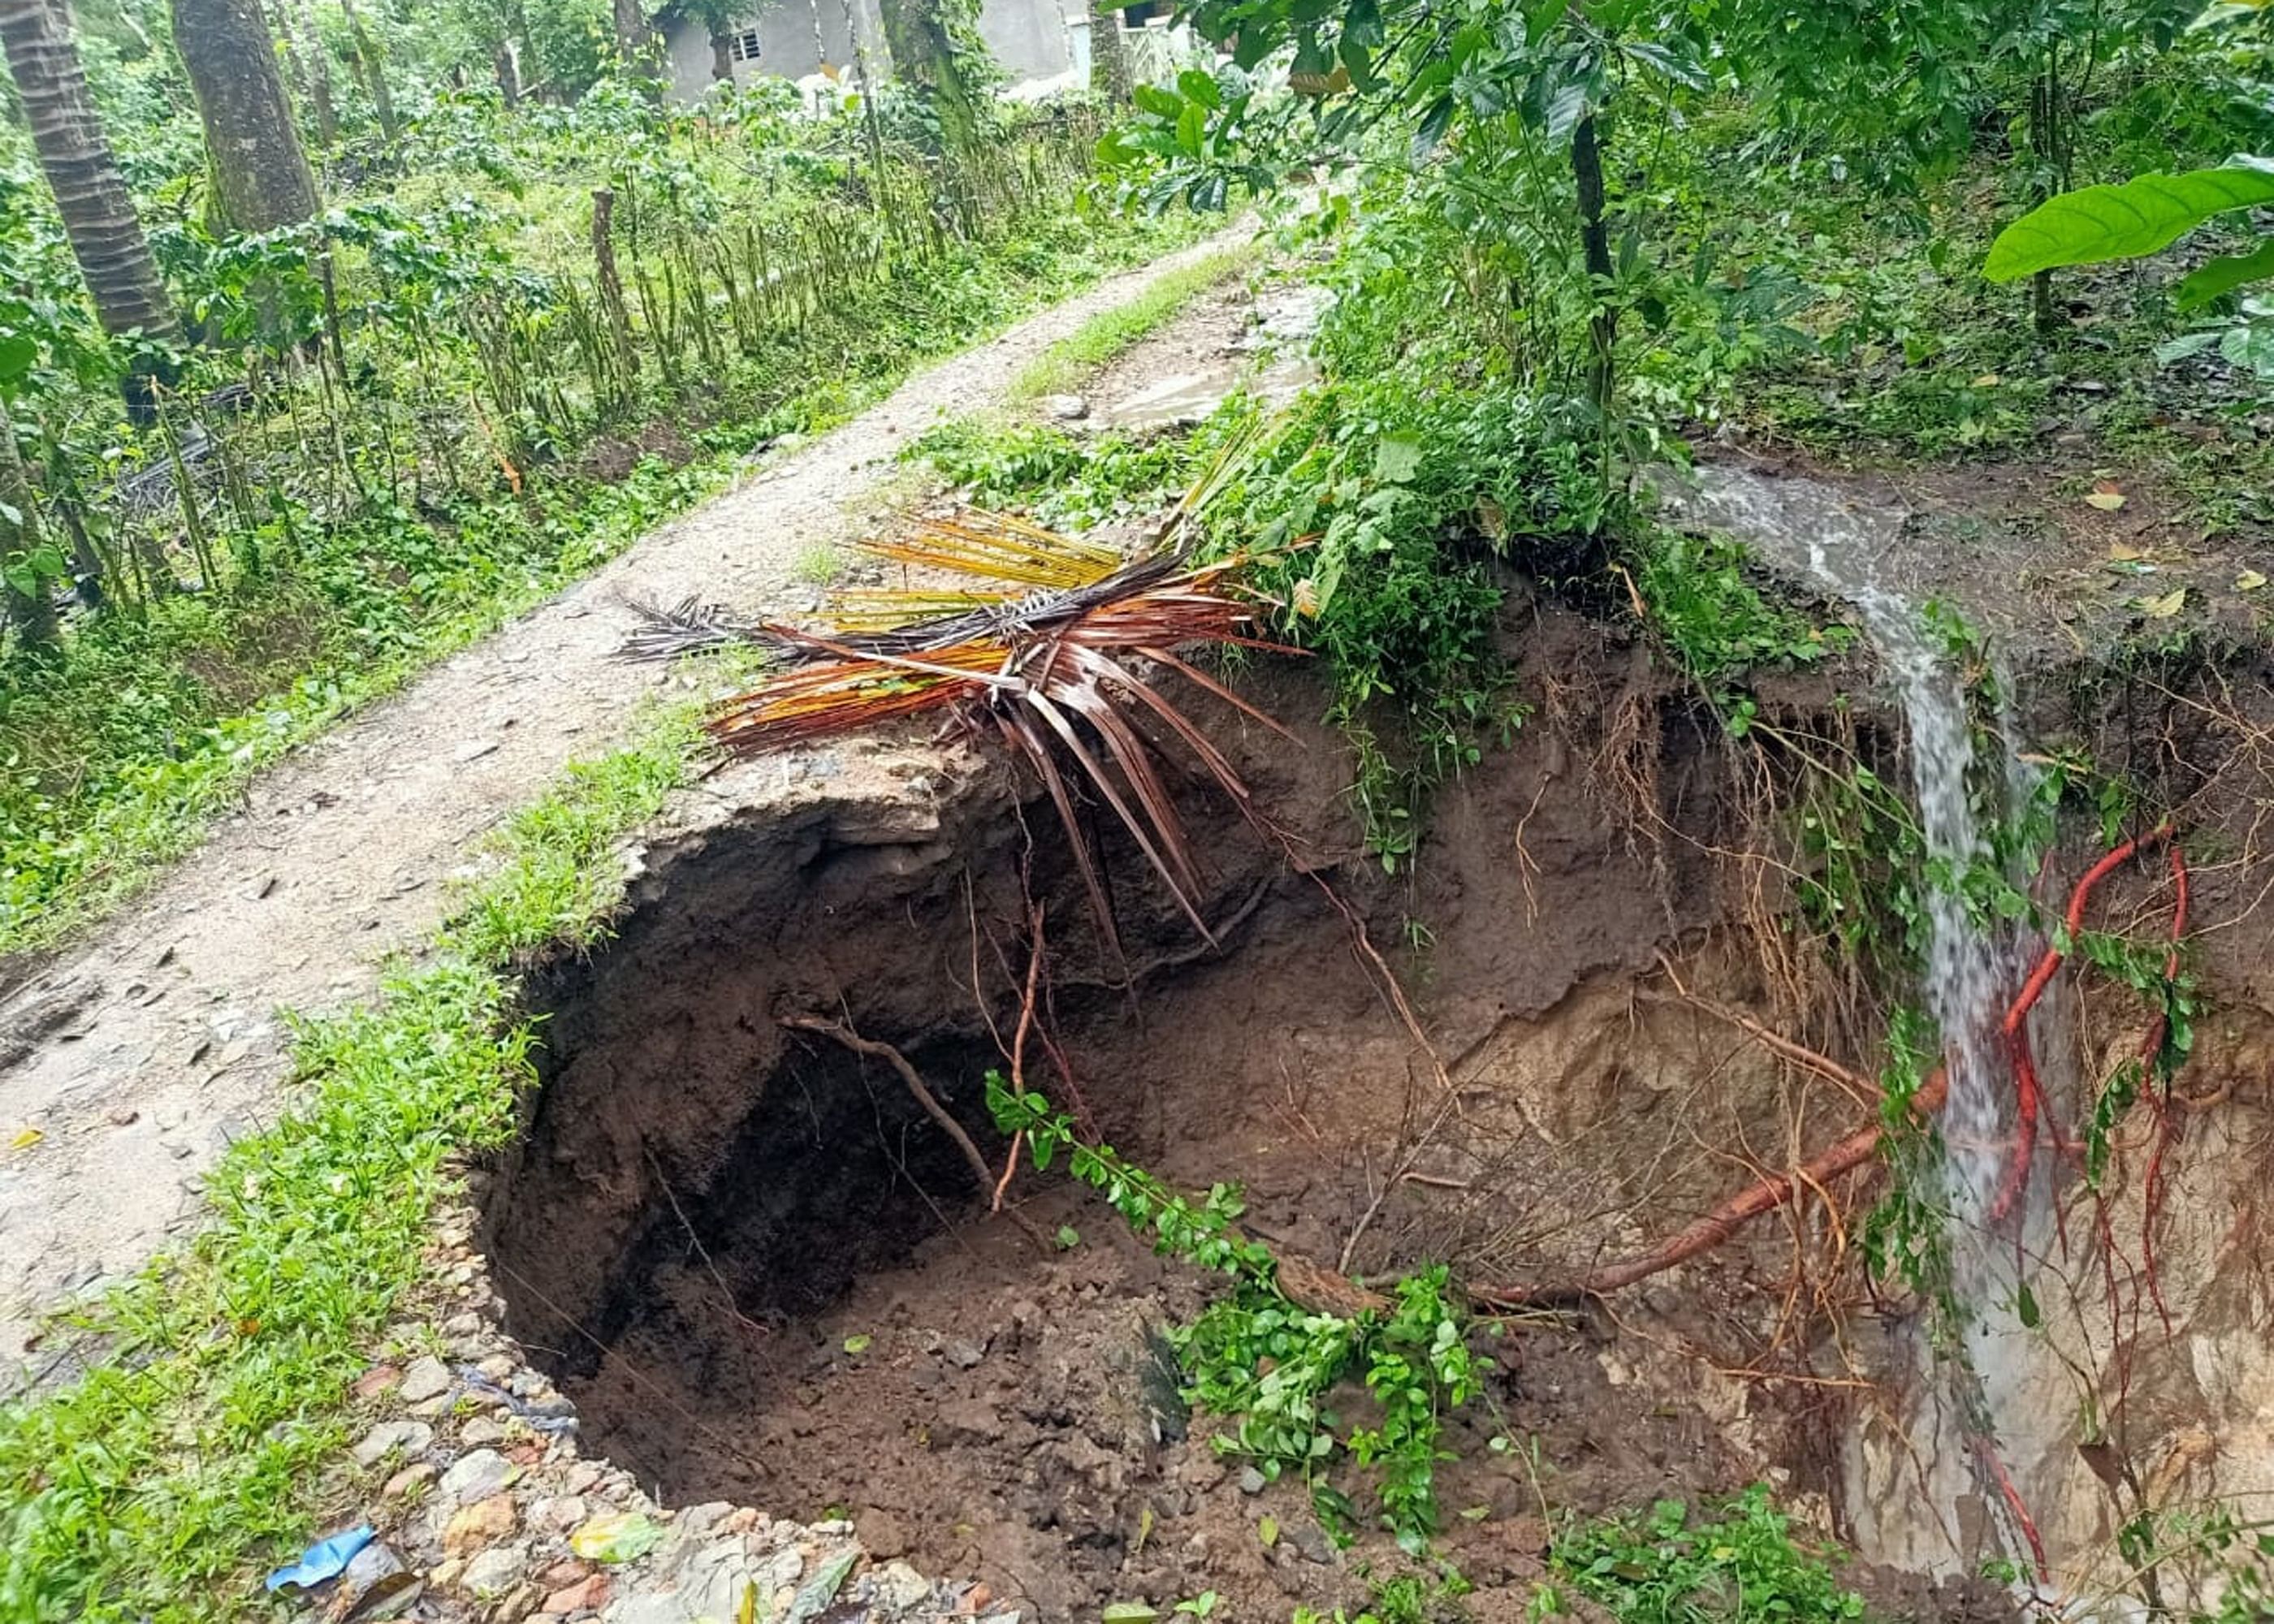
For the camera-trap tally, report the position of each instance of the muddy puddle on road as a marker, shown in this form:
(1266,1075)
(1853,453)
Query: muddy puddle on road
(765,1276)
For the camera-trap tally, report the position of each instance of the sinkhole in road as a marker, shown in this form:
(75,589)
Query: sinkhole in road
(766,1273)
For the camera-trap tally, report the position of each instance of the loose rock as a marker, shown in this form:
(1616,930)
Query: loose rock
(588,1592)
(378,1380)
(427,1378)
(476,1477)
(898,1588)
(494,1571)
(480,1523)
(481,1429)
(375,1585)
(564,1512)
(415,1476)
(393,1438)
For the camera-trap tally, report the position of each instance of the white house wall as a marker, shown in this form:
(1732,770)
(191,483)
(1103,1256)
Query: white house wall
(786,48)
(689,51)
(1026,38)
(1029,38)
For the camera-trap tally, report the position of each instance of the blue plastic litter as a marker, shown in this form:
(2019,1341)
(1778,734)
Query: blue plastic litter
(326,1559)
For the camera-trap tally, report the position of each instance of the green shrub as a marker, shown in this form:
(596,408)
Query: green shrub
(1669,1568)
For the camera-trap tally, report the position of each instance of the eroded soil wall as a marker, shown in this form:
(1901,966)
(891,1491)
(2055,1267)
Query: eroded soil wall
(765,1275)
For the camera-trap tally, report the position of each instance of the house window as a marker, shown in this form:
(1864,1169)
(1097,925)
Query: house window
(744,46)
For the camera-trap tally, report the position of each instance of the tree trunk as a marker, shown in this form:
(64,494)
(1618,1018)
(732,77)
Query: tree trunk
(920,37)
(98,214)
(1595,244)
(518,44)
(508,74)
(634,40)
(32,614)
(1109,73)
(372,71)
(722,56)
(870,120)
(317,62)
(89,562)
(2047,145)
(261,173)
(295,69)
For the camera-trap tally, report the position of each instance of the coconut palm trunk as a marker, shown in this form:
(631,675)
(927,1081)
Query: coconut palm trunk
(98,214)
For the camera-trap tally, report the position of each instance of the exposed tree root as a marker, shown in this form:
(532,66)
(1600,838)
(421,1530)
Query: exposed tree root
(1857,1087)
(1765,1196)
(2167,1122)
(980,1171)
(1769,1193)
(1987,1450)
(2014,1027)
(1778,1189)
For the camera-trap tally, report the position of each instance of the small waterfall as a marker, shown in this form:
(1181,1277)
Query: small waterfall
(2002,1394)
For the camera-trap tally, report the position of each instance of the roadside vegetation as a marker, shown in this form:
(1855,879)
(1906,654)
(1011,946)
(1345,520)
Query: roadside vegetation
(203,1440)
(483,348)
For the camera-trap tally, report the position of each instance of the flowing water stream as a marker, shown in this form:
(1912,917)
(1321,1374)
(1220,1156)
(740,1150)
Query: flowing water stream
(1937,1497)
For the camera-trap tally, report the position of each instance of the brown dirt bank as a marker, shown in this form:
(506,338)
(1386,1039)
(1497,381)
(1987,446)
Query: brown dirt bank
(764,1275)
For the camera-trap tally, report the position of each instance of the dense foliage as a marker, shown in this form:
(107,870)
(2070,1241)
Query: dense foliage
(510,338)
(1674,1566)
(1569,238)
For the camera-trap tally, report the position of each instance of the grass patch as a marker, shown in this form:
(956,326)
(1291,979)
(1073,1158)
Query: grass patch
(111,764)
(1111,333)
(1674,1568)
(1075,481)
(816,565)
(156,1487)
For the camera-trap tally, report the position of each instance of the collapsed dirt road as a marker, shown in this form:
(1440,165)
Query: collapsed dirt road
(128,1063)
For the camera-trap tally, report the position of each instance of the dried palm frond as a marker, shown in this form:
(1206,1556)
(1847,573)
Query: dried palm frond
(999,546)
(1037,665)
(1029,612)
(1047,681)
(1046,565)
(1058,572)
(689,627)
(880,609)
(812,701)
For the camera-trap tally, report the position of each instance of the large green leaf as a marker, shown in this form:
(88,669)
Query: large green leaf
(2206,282)
(1675,64)
(2121,222)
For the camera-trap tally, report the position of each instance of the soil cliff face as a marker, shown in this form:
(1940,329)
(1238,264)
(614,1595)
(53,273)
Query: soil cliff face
(766,1273)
